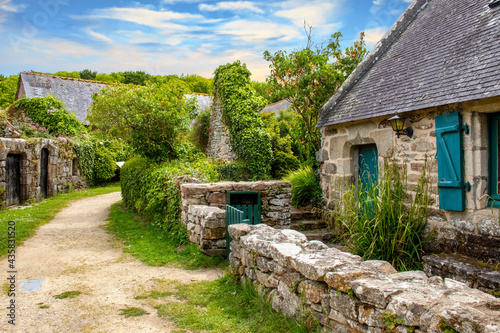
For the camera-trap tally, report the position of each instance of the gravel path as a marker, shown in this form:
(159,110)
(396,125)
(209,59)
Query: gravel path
(74,252)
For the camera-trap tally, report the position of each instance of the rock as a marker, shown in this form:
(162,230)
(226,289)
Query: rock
(344,304)
(294,236)
(283,252)
(285,301)
(312,290)
(236,231)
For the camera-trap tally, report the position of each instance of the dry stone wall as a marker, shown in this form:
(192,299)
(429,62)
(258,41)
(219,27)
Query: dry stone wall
(346,294)
(219,145)
(203,209)
(62,174)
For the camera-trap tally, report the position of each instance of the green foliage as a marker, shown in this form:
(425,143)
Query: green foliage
(74,75)
(198,84)
(264,89)
(153,245)
(8,90)
(51,114)
(68,294)
(111,78)
(283,163)
(305,187)
(199,133)
(30,218)
(138,78)
(383,221)
(152,191)
(133,312)
(241,107)
(391,320)
(88,74)
(151,118)
(96,161)
(443,327)
(234,171)
(309,77)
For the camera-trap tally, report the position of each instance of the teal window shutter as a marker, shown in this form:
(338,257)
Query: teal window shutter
(450,159)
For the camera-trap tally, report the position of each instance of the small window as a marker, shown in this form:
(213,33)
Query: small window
(75,167)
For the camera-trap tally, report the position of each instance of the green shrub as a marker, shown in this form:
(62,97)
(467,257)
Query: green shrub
(199,133)
(305,187)
(383,221)
(234,171)
(51,114)
(95,161)
(283,163)
(152,191)
(104,165)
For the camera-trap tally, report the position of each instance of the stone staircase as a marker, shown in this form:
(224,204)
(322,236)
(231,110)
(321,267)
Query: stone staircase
(308,221)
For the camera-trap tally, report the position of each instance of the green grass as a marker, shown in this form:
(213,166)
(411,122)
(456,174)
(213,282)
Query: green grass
(133,312)
(68,294)
(225,305)
(153,246)
(30,218)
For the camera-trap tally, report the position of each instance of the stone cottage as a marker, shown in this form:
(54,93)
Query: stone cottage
(438,67)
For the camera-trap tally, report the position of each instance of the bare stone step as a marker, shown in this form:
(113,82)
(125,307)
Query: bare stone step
(305,225)
(305,213)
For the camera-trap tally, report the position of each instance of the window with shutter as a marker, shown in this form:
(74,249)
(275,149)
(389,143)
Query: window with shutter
(494,157)
(450,162)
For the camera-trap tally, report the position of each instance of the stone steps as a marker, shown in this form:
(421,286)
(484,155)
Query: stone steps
(305,225)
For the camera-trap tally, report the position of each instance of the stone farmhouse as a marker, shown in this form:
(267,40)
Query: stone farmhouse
(438,67)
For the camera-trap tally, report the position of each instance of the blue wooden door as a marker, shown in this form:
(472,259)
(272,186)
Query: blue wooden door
(367,166)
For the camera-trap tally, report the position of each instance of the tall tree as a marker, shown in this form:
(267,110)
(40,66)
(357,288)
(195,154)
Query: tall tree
(88,74)
(309,77)
(8,90)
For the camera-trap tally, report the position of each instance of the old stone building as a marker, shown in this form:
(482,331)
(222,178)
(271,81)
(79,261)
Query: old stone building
(437,67)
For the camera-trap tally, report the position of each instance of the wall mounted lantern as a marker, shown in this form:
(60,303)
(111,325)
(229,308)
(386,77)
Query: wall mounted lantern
(398,123)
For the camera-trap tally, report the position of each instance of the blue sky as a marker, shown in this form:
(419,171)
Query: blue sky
(175,36)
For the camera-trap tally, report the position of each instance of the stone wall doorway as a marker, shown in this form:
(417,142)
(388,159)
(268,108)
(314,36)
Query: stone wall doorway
(44,174)
(13,180)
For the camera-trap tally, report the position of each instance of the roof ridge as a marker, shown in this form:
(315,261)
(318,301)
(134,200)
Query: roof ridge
(378,50)
(63,77)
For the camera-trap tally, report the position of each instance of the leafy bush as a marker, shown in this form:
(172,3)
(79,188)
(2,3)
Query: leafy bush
(283,163)
(234,171)
(305,187)
(151,189)
(95,162)
(383,221)
(104,165)
(199,134)
(51,114)
(152,118)
(241,115)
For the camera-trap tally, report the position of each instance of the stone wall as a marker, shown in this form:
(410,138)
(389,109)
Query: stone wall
(219,145)
(62,174)
(475,232)
(343,293)
(203,209)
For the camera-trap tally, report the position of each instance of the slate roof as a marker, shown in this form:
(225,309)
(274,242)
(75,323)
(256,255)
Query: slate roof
(75,93)
(439,52)
(276,107)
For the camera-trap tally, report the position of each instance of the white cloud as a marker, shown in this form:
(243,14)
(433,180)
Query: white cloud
(143,16)
(7,6)
(315,13)
(372,36)
(257,32)
(233,6)
(97,35)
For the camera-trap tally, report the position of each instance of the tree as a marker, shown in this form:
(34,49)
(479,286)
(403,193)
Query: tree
(138,78)
(111,78)
(199,84)
(74,75)
(152,118)
(8,90)
(87,74)
(309,77)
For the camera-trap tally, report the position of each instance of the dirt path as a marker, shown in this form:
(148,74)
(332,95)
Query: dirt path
(75,252)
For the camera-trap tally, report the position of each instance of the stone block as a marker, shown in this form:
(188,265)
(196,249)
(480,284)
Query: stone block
(217,198)
(262,264)
(214,233)
(238,230)
(292,280)
(314,266)
(344,304)
(312,290)
(251,274)
(283,252)
(322,155)
(276,268)
(286,302)
(371,316)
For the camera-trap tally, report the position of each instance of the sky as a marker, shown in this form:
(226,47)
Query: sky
(179,37)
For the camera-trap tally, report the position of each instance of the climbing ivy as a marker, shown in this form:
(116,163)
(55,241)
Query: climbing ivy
(95,161)
(51,114)
(241,106)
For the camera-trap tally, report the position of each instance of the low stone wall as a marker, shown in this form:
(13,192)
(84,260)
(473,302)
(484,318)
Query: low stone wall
(346,294)
(206,227)
(472,275)
(202,228)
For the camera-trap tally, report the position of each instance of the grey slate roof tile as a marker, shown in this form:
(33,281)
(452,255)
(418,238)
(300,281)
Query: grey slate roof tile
(439,52)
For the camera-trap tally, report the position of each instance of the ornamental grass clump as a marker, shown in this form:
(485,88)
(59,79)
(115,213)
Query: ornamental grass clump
(305,187)
(384,221)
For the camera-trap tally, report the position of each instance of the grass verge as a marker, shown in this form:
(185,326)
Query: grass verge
(133,312)
(152,245)
(68,294)
(223,305)
(30,218)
